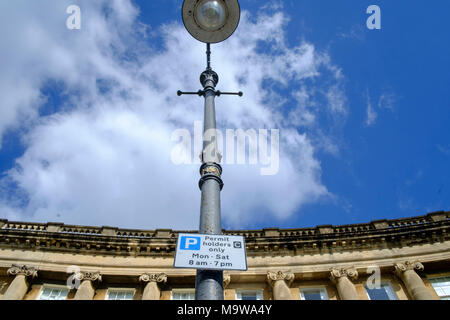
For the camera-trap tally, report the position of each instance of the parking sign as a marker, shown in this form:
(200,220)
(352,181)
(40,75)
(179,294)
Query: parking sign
(210,252)
(190,243)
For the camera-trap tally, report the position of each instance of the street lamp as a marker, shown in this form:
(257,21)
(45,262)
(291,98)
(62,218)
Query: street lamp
(210,21)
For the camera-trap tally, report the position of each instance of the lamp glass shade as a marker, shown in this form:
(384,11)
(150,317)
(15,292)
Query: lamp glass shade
(211,21)
(210,15)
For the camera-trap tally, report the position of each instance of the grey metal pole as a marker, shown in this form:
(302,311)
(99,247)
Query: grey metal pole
(209,283)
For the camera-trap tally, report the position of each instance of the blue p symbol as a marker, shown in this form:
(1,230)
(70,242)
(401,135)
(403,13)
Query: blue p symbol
(190,243)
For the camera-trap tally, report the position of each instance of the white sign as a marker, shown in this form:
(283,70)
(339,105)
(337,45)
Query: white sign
(210,252)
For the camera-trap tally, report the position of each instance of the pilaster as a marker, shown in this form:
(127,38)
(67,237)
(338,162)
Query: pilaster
(152,290)
(280,282)
(19,286)
(86,290)
(406,271)
(343,279)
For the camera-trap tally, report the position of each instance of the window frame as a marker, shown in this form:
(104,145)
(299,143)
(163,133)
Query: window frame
(322,289)
(52,286)
(435,278)
(182,291)
(117,289)
(258,292)
(384,284)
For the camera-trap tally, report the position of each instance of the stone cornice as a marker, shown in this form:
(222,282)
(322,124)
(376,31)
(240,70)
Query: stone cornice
(162,242)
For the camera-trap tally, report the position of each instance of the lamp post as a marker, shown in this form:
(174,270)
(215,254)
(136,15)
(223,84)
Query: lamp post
(210,21)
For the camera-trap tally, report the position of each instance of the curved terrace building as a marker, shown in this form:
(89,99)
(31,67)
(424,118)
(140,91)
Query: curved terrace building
(390,259)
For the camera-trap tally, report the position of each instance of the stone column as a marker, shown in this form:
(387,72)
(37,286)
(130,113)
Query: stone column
(152,290)
(19,286)
(345,287)
(413,282)
(86,289)
(280,283)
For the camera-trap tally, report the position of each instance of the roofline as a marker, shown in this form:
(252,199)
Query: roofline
(56,227)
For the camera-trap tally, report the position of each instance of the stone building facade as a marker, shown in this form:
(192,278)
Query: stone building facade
(390,259)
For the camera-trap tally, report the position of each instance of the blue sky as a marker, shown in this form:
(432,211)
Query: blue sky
(398,166)
(86,125)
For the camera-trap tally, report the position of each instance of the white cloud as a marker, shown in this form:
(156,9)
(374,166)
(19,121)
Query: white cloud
(386,101)
(372,115)
(104,159)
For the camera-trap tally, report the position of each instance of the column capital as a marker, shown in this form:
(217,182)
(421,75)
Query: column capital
(226,280)
(22,270)
(90,276)
(401,267)
(273,277)
(350,273)
(154,277)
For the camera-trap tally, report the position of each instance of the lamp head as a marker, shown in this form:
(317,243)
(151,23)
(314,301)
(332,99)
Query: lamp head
(211,21)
